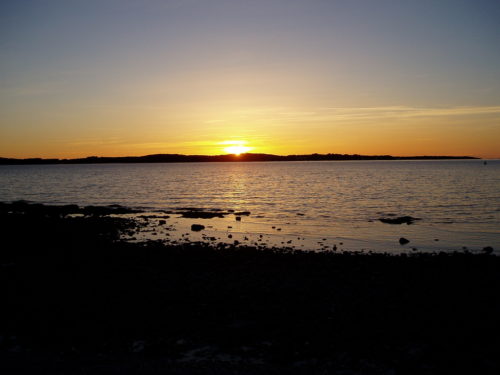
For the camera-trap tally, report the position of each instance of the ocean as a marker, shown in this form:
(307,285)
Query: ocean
(304,205)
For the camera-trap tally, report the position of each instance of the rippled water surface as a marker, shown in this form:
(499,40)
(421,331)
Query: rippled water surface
(458,201)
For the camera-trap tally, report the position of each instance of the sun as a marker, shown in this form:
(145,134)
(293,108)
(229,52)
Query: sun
(237,150)
(235,147)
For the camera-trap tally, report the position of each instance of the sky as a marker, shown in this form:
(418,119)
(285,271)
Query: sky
(123,77)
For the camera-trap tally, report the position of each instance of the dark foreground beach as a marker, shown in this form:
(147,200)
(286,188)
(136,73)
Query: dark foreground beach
(76,299)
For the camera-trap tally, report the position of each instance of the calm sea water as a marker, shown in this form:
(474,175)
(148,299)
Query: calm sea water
(458,201)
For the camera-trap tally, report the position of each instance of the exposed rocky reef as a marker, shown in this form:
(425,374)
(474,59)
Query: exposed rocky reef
(78,300)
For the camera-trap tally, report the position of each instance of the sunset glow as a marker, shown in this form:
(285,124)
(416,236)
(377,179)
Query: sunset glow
(313,77)
(237,150)
(235,147)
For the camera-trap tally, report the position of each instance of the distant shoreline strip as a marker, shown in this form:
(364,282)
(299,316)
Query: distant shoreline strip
(178,158)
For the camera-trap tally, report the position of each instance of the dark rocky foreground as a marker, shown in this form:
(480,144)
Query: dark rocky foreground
(78,300)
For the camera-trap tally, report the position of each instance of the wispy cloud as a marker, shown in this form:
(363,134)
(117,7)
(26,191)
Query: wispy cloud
(404,112)
(356,114)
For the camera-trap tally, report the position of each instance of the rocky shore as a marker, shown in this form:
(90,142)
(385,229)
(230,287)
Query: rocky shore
(77,299)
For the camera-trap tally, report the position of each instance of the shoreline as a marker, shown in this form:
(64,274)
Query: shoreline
(246,157)
(222,226)
(80,300)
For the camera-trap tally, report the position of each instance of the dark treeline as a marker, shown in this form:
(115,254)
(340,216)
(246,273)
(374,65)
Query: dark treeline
(177,158)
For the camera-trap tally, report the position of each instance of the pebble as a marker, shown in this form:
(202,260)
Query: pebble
(403,241)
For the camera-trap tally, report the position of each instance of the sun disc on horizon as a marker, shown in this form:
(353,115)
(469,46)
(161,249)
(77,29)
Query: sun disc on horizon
(235,147)
(237,150)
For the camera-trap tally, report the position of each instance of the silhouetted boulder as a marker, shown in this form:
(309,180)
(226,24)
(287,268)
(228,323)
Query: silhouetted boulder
(69,209)
(403,241)
(107,210)
(197,227)
(201,214)
(488,249)
(399,220)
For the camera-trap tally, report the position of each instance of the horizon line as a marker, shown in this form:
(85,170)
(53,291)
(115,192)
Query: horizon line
(247,156)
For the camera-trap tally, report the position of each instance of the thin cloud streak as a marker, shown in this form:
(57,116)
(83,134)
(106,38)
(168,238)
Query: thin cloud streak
(402,111)
(338,114)
(277,116)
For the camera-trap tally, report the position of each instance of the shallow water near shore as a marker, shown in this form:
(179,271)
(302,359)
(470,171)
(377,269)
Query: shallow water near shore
(315,205)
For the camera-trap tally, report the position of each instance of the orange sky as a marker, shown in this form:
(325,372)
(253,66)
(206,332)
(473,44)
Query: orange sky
(281,76)
(377,130)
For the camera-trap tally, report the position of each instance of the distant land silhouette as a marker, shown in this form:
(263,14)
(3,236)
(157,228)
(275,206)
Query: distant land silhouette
(179,158)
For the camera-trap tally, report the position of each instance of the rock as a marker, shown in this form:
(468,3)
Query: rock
(403,241)
(201,215)
(197,227)
(399,220)
(138,346)
(69,209)
(106,210)
(488,249)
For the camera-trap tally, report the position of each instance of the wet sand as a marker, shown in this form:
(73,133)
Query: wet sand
(78,299)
